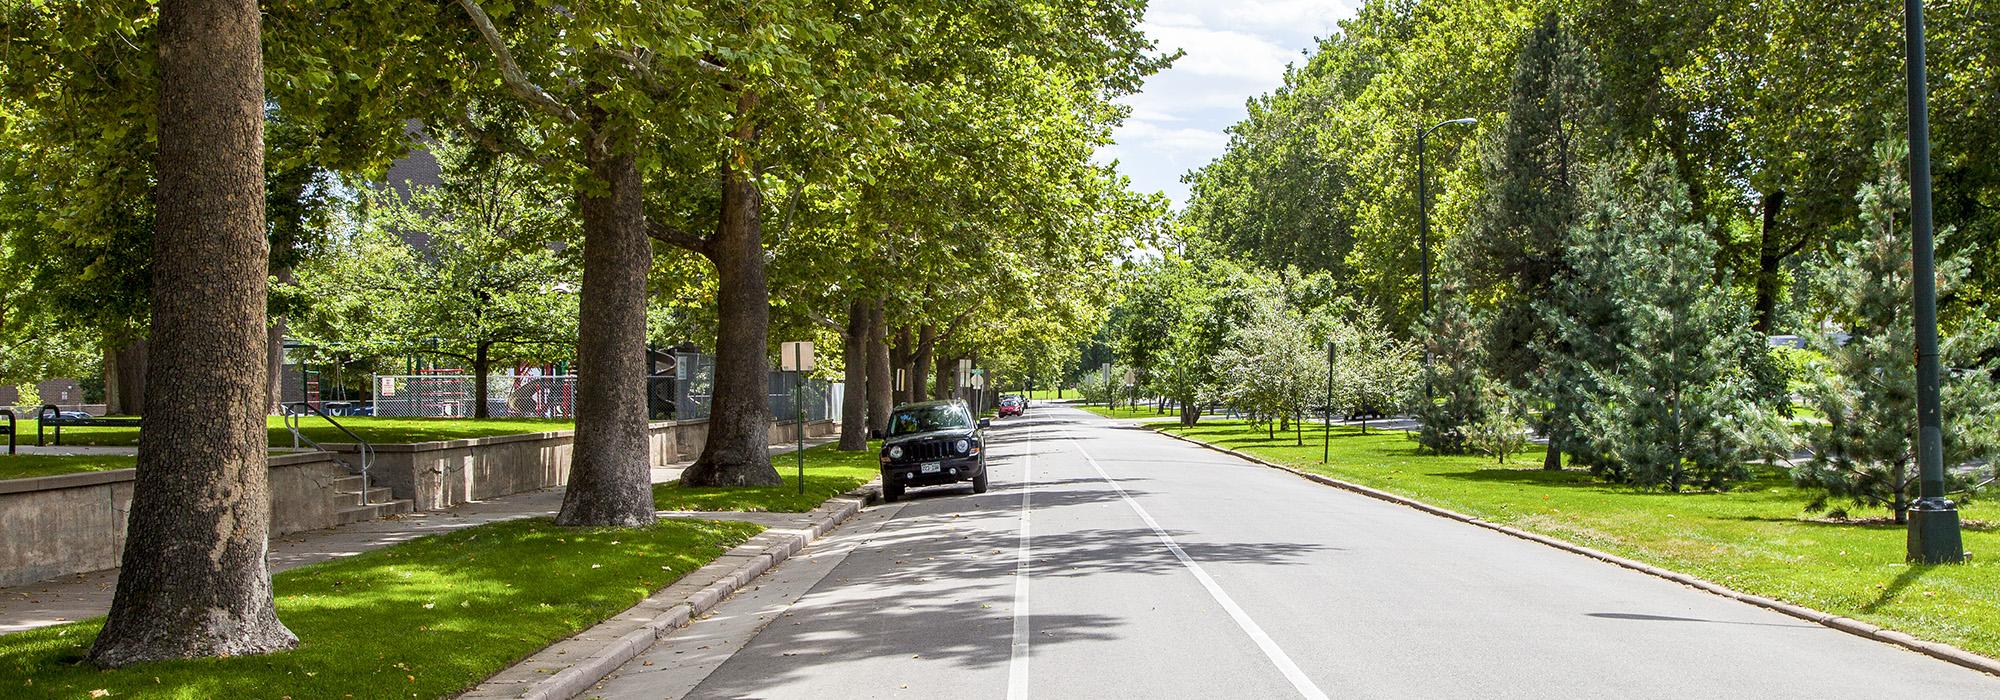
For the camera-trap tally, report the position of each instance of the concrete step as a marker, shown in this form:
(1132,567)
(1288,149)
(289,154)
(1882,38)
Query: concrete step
(356,514)
(347,484)
(347,498)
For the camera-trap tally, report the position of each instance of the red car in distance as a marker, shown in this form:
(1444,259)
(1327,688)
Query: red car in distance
(1012,406)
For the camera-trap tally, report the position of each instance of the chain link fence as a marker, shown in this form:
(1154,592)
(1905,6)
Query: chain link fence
(681,390)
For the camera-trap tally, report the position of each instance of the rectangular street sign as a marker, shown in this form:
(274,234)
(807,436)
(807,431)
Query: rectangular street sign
(796,356)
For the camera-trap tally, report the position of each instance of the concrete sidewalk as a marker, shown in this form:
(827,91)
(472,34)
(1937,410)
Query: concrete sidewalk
(71,598)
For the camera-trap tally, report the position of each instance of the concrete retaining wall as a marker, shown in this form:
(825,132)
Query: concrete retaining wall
(72,523)
(438,475)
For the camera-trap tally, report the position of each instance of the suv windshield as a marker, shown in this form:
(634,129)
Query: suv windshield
(926,419)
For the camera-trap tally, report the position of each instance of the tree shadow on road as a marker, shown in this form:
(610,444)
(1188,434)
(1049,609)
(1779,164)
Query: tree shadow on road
(937,584)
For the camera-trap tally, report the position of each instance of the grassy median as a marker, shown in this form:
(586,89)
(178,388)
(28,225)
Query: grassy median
(1756,538)
(427,618)
(829,473)
(375,430)
(27,466)
(1140,412)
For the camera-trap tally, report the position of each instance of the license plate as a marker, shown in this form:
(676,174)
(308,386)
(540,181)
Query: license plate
(930,467)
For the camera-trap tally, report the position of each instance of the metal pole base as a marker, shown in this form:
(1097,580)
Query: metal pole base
(1934,537)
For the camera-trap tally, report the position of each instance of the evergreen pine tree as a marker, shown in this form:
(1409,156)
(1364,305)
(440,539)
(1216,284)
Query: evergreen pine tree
(1515,248)
(1866,386)
(1671,404)
(1452,398)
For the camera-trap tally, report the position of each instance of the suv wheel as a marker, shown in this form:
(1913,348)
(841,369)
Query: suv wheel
(979,482)
(892,493)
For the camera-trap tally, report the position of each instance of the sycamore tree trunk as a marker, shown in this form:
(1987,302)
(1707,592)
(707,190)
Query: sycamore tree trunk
(610,478)
(906,365)
(482,365)
(944,388)
(1769,255)
(737,452)
(274,366)
(880,384)
(193,581)
(854,356)
(125,379)
(921,361)
(899,362)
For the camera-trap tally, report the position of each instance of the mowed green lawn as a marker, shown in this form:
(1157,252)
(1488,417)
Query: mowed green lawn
(1757,538)
(24,466)
(829,473)
(1143,411)
(427,618)
(374,430)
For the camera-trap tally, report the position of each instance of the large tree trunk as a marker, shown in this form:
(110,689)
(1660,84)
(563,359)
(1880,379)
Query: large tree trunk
(944,388)
(1770,253)
(274,366)
(125,379)
(854,402)
(482,364)
(900,354)
(738,452)
(610,477)
(880,402)
(921,361)
(193,582)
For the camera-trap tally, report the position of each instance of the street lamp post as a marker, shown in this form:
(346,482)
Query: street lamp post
(1934,529)
(1424,206)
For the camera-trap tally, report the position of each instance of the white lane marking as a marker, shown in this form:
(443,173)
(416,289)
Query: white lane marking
(1277,656)
(1017,661)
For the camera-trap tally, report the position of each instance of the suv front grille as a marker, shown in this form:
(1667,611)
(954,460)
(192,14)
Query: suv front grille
(926,451)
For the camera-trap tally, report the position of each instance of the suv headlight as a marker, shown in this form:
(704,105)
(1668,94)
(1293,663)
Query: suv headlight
(896,452)
(963,446)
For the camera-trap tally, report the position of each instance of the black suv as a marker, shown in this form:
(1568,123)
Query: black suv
(932,443)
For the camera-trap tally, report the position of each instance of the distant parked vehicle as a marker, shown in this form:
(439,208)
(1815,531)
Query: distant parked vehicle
(931,444)
(1012,406)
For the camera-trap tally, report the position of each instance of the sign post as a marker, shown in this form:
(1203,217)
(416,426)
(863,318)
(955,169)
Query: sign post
(797,358)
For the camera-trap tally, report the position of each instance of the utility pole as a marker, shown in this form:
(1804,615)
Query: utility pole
(1934,529)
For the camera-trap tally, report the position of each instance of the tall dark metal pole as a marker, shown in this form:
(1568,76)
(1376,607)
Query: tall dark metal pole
(1424,221)
(1934,528)
(1326,433)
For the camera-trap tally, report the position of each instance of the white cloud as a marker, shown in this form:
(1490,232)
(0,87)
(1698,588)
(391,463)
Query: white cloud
(1234,50)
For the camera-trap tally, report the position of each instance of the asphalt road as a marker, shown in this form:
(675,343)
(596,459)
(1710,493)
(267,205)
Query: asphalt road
(1109,562)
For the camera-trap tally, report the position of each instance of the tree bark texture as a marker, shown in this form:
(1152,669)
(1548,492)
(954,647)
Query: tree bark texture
(1770,253)
(902,354)
(880,384)
(921,361)
(854,356)
(482,365)
(611,478)
(194,581)
(737,452)
(946,382)
(125,380)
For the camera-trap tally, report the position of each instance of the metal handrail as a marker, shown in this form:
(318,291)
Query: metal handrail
(9,413)
(367,451)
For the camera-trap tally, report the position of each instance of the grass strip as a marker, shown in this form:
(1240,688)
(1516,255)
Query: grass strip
(1756,538)
(1142,412)
(380,431)
(28,466)
(427,618)
(829,473)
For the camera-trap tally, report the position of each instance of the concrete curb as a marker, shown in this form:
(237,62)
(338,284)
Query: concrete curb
(670,609)
(1943,652)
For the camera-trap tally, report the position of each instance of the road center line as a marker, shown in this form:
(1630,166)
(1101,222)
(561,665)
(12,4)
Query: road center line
(1017,660)
(1264,642)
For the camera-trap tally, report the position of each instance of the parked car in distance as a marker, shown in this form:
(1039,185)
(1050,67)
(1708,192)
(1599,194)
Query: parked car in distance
(932,444)
(1012,406)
